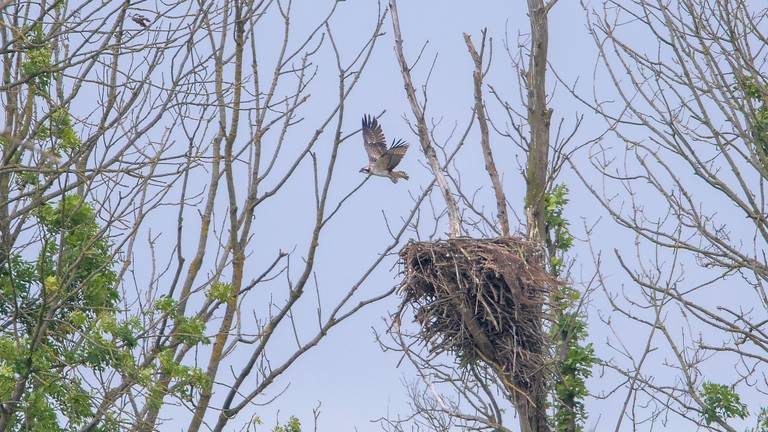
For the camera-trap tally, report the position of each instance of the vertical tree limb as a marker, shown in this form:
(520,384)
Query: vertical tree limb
(238,250)
(485,142)
(533,416)
(421,124)
(538,120)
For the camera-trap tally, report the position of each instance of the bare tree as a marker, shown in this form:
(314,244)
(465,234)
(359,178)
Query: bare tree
(473,395)
(138,149)
(684,173)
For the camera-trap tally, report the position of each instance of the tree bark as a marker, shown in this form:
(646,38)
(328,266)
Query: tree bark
(538,120)
(532,410)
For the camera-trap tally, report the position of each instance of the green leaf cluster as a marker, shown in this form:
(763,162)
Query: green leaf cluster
(293,425)
(185,379)
(721,403)
(557,226)
(166,305)
(59,131)
(575,359)
(762,421)
(759,118)
(219,291)
(760,129)
(77,254)
(68,291)
(575,368)
(189,330)
(37,62)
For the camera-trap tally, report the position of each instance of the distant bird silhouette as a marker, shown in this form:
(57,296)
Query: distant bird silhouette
(141,20)
(382,160)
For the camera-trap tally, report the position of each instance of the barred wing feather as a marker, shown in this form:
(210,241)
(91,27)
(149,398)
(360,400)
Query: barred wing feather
(373,138)
(392,156)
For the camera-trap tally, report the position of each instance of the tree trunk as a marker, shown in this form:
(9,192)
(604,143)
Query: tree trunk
(532,410)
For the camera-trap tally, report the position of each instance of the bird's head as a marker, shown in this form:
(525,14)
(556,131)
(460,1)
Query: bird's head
(365,170)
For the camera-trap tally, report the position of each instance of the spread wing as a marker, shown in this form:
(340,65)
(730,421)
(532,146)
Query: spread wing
(373,138)
(392,156)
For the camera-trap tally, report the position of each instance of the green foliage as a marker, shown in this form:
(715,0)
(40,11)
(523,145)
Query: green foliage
(37,67)
(219,291)
(721,403)
(59,292)
(76,253)
(750,88)
(73,268)
(186,378)
(59,131)
(73,283)
(72,280)
(557,226)
(25,178)
(293,425)
(760,129)
(37,62)
(17,276)
(166,304)
(190,330)
(759,118)
(126,332)
(575,359)
(762,421)
(575,368)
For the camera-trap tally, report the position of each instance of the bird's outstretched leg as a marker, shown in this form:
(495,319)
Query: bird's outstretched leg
(395,175)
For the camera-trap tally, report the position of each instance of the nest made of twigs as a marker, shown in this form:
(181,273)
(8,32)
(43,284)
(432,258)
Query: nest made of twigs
(480,299)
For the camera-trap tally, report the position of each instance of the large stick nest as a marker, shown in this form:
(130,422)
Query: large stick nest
(480,299)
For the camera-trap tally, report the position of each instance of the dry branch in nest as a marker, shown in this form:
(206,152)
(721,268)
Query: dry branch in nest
(480,299)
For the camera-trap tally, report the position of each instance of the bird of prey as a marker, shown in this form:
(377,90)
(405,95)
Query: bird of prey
(382,160)
(141,20)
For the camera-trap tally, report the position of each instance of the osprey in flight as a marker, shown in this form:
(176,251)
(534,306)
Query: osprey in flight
(382,160)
